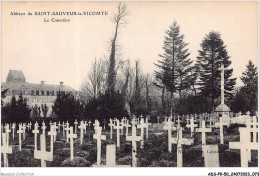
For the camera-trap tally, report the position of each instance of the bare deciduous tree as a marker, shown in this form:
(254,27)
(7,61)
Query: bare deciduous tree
(95,83)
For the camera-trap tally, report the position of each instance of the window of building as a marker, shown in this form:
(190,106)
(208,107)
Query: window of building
(42,92)
(53,93)
(48,93)
(37,92)
(32,92)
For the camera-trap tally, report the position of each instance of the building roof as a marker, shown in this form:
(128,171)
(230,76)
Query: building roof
(15,80)
(15,76)
(31,86)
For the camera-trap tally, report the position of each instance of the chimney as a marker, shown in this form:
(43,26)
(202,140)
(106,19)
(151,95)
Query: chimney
(61,84)
(42,83)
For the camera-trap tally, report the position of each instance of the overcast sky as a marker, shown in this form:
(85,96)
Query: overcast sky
(55,52)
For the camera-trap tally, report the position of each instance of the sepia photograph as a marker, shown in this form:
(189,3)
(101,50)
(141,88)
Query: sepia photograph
(126,84)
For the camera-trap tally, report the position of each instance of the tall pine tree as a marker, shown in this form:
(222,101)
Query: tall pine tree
(212,54)
(175,64)
(246,98)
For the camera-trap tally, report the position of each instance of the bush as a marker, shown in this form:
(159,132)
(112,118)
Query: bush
(126,160)
(193,104)
(76,162)
(106,106)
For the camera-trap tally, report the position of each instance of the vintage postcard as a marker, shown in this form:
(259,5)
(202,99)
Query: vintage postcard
(128,84)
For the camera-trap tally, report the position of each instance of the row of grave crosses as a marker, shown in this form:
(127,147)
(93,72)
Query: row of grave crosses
(44,156)
(211,119)
(245,145)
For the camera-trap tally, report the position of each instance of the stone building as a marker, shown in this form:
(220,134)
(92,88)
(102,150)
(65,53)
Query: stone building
(36,94)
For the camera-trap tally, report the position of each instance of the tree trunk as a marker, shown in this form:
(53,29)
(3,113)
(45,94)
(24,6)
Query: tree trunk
(172,97)
(163,101)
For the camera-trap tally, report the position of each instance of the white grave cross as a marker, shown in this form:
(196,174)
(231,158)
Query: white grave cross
(98,136)
(220,125)
(76,125)
(7,131)
(13,127)
(203,131)
(192,125)
(134,139)
(5,149)
(81,127)
(71,136)
(43,128)
(118,127)
(244,145)
(168,126)
(180,141)
(59,127)
(111,127)
(20,131)
(35,131)
(142,126)
(43,155)
(24,130)
(52,133)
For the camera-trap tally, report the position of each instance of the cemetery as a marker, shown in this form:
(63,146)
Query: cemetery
(218,139)
(189,141)
(190,110)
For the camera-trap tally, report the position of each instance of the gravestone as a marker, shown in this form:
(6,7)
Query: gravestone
(35,132)
(146,124)
(76,126)
(244,145)
(59,127)
(104,124)
(81,127)
(211,155)
(111,127)
(43,155)
(203,130)
(127,125)
(192,126)
(52,133)
(169,127)
(98,136)
(179,140)
(71,136)
(89,123)
(67,131)
(63,129)
(158,119)
(20,131)
(85,127)
(30,125)
(134,138)
(43,128)
(7,131)
(50,123)
(118,127)
(13,128)
(111,157)
(221,133)
(5,149)
(252,127)
(24,130)
(142,126)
